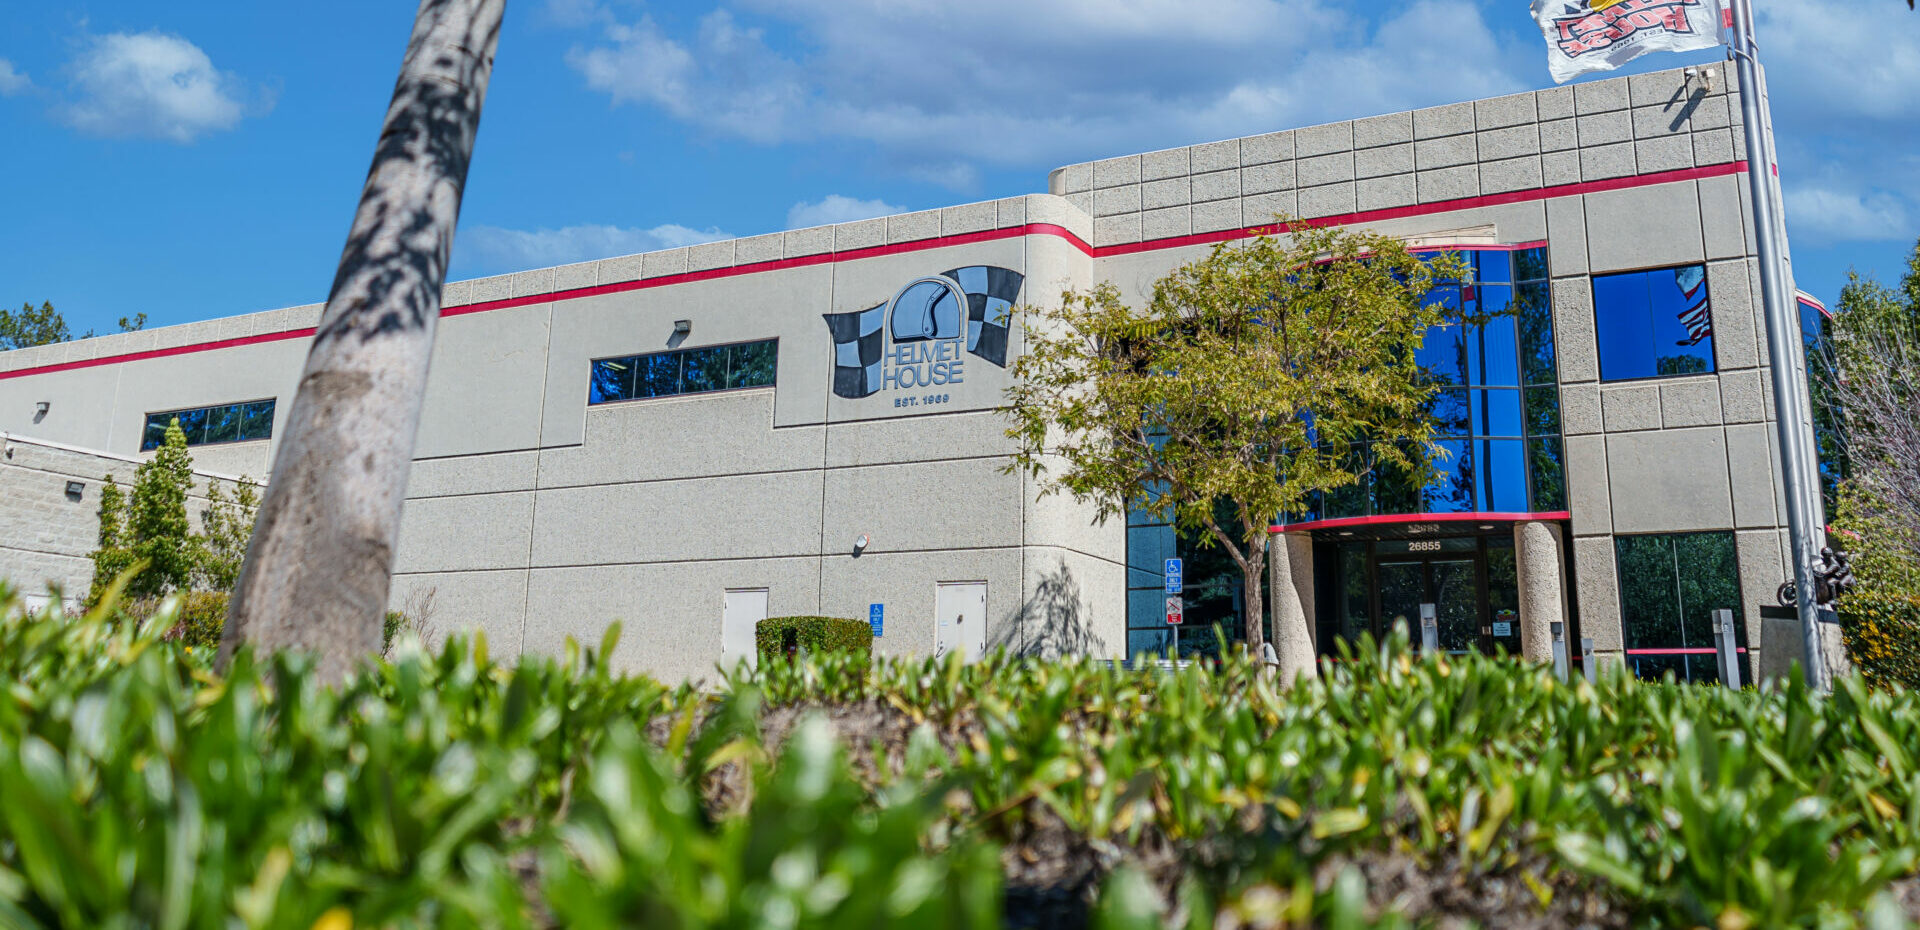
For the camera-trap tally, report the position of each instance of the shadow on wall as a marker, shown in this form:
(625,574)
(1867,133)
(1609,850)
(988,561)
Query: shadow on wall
(1055,621)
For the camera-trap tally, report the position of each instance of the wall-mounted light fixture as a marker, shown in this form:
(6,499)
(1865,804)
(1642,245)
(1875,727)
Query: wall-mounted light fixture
(75,489)
(40,410)
(682,327)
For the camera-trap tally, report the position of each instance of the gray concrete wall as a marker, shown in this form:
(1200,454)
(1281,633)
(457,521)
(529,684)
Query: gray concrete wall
(47,536)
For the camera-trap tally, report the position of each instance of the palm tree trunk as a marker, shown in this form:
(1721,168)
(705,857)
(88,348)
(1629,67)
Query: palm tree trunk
(320,562)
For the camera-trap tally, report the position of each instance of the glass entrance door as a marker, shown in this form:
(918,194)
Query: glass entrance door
(1452,585)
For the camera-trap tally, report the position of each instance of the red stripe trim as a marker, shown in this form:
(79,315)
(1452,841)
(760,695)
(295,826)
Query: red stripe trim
(1677,652)
(1394,519)
(991,235)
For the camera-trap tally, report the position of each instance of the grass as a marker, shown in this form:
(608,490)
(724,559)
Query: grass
(140,789)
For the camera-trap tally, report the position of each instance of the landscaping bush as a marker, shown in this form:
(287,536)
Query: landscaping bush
(814,634)
(198,618)
(1882,634)
(138,788)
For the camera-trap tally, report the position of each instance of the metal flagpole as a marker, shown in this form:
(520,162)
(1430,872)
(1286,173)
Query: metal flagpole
(1791,420)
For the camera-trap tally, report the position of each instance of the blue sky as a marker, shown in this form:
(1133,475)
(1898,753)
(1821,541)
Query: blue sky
(199,160)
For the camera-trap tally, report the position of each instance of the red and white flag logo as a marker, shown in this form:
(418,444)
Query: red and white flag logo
(1600,35)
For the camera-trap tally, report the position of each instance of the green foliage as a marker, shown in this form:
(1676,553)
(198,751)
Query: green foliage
(448,790)
(31,327)
(1883,638)
(151,524)
(1246,381)
(814,634)
(198,617)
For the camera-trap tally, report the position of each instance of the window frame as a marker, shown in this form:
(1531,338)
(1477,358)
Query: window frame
(240,419)
(677,352)
(1599,350)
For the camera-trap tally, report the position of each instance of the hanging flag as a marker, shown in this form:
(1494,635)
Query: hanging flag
(1600,35)
(1694,315)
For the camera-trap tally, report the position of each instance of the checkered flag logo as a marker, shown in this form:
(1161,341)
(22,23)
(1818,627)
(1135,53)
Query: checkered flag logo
(991,293)
(859,339)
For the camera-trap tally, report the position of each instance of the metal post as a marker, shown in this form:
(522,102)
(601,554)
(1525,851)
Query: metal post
(1429,630)
(1586,658)
(1560,649)
(1791,422)
(1726,648)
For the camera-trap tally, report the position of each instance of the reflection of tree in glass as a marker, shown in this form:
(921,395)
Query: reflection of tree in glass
(1681,364)
(703,370)
(1649,605)
(750,364)
(1534,314)
(612,379)
(1549,476)
(1709,580)
(657,375)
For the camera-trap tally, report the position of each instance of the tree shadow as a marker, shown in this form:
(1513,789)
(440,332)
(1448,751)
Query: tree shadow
(1056,621)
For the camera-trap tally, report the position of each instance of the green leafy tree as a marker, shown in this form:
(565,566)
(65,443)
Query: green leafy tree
(226,526)
(45,326)
(150,523)
(1238,391)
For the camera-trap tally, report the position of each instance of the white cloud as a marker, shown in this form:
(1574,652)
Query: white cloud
(152,84)
(939,88)
(835,208)
(1847,60)
(1824,216)
(492,249)
(12,81)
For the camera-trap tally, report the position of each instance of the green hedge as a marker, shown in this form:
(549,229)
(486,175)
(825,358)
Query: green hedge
(202,617)
(1883,638)
(814,634)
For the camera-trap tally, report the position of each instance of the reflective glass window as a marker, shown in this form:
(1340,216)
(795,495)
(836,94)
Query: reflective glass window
(612,379)
(1154,641)
(1669,587)
(1543,410)
(1451,490)
(683,371)
(1530,264)
(1452,413)
(1548,475)
(1496,412)
(1653,323)
(220,423)
(1492,266)
(1494,356)
(1502,470)
(1533,317)
(1148,549)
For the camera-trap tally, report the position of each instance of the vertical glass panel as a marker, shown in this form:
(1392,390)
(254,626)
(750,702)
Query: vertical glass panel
(256,422)
(1496,412)
(657,375)
(1530,264)
(611,379)
(1493,267)
(1152,642)
(1495,350)
(1443,353)
(1452,412)
(223,423)
(1394,490)
(1502,469)
(1543,411)
(1682,320)
(156,431)
(1624,326)
(750,364)
(1356,609)
(1548,476)
(1709,580)
(1451,490)
(1650,603)
(1533,316)
(1403,588)
(1148,549)
(703,370)
(1503,593)
(1456,601)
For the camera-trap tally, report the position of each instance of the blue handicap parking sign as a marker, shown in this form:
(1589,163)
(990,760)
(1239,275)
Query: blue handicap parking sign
(1175,583)
(877,615)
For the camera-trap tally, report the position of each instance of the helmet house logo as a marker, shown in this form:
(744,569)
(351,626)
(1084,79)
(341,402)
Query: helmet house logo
(922,337)
(1593,25)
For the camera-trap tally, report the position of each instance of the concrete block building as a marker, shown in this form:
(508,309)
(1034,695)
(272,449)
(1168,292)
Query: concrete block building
(804,422)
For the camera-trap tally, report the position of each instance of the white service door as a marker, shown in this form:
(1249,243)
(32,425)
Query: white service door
(960,619)
(742,614)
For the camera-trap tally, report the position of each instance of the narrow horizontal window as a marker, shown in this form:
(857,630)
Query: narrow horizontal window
(241,422)
(683,371)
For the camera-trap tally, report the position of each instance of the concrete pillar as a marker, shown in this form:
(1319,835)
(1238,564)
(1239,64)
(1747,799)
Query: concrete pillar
(1290,560)
(1538,556)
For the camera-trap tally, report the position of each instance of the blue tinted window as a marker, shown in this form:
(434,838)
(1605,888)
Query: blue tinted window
(1150,640)
(1494,353)
(1653,323)
(1533,316)
(1452,414)
(202,425)
(686,371)
(1494,267)
(1543,411)
(1451,490)
(1530,264)
(1496,412)
(1502,470)
(1148,548)
(1548,476)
